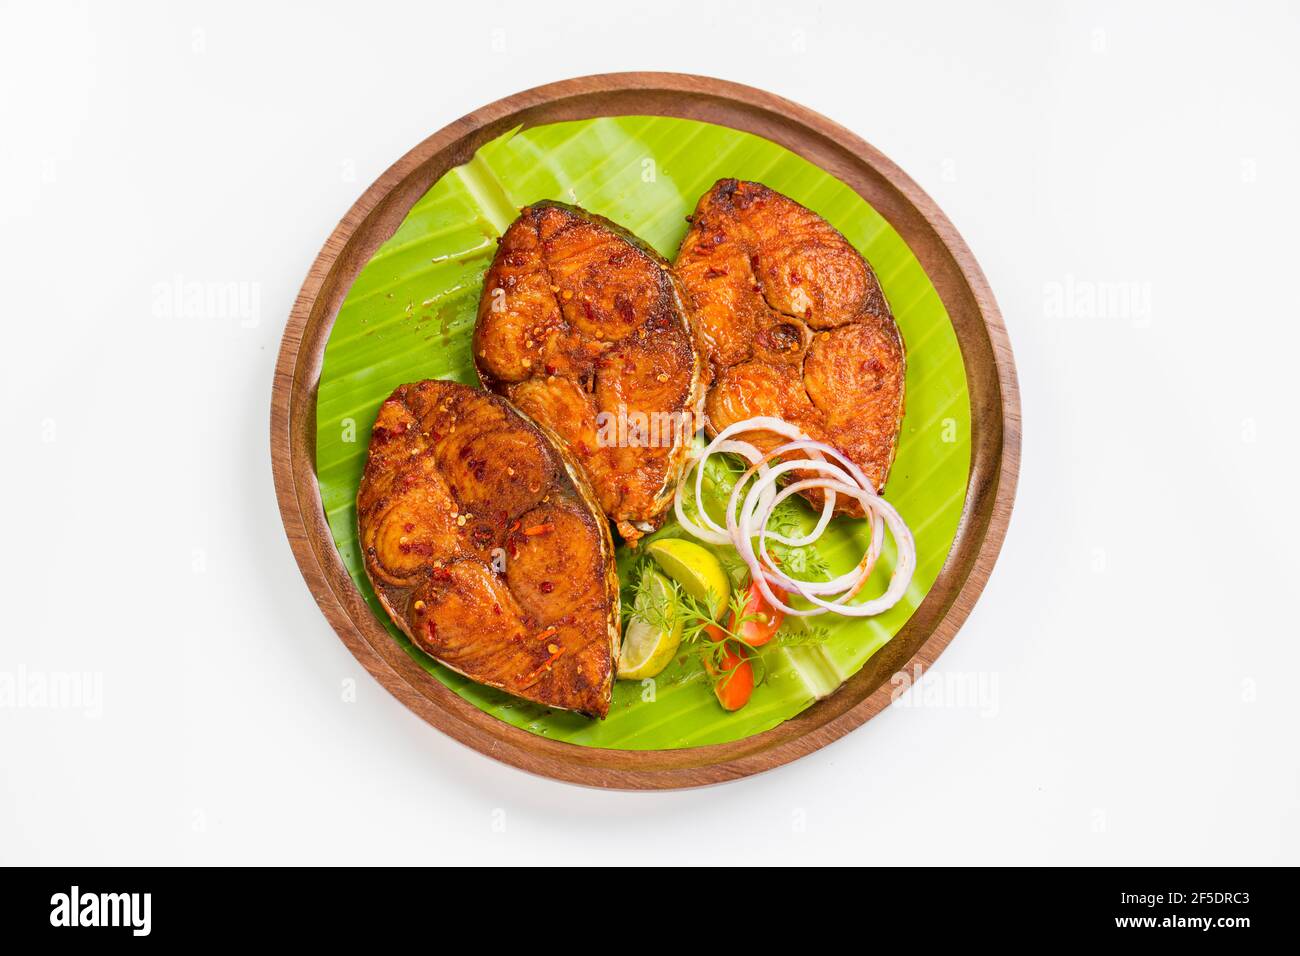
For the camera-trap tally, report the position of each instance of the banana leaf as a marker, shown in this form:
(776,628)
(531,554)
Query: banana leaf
(410,314)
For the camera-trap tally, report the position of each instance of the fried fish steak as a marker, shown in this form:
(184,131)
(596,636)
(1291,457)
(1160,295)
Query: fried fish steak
(587,330)
(794,324)
(487,548)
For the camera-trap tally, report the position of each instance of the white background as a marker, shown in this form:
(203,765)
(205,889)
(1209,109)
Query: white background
(1136,641)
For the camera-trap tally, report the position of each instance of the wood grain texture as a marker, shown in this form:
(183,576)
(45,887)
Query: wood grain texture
(986,354)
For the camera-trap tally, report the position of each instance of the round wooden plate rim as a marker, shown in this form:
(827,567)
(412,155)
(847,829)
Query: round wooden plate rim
(991,376)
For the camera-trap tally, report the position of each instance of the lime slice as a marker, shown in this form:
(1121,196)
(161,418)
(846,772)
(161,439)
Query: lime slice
(647,649)
(696,569)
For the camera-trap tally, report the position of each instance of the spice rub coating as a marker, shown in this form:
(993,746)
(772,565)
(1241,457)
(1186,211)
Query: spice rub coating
(587,330)
(486,547)
(794,324)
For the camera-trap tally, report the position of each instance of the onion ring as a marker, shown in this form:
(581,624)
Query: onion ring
(747,518)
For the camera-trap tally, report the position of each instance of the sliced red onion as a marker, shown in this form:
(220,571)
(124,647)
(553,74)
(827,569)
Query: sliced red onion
(828,502)
(851,583)
(747,518)
(710,531)
(844,581)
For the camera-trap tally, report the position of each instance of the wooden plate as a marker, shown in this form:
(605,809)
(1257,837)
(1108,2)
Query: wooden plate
(986,353)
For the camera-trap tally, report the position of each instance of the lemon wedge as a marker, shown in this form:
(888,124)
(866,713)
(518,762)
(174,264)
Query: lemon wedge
(647,649)
(696,569)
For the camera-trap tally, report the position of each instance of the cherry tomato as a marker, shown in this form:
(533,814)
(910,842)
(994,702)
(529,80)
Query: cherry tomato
(764,620)
(735,679)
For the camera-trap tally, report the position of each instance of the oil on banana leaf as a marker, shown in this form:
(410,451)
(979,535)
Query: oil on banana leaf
(410,315)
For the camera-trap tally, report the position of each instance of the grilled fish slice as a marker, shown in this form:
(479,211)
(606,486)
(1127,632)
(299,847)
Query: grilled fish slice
(486,546)
(794,324)
(587,330)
